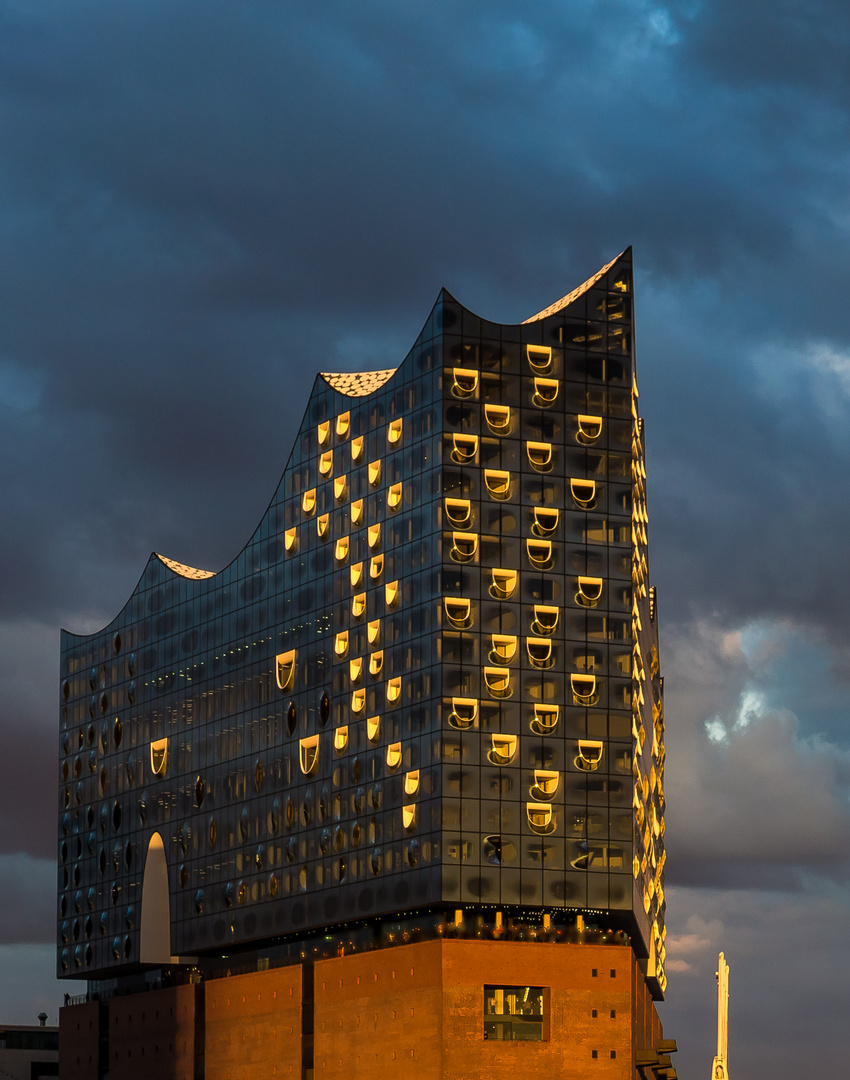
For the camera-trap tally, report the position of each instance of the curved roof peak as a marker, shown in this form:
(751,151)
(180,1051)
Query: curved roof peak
(183,570)
(565,301)
(357,383)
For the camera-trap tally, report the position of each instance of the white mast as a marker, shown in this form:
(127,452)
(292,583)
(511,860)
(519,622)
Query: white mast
(719,1069)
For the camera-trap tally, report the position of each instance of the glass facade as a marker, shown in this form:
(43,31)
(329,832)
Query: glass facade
(430,679)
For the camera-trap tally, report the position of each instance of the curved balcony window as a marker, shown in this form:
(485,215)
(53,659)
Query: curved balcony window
(503,749)
(498,484)
(545,621)
(376,567)
(540,816)
(373,728)
(326,463)
(355,669)
(343,424)
(408,816)
(394,431)
(340,738)
(355,572)
(504,648)
(290,538)
(308,754)
(374,473)
(589,591)
(373,535)
(583,492)
(324,433)
(539,358)
(546,782)
(589,428)
(498,418)
(540,652)
(357,512)
(464,382)
(584,689)
(411,782)
(464,448)
(308,501)
(394,690)
(159,756)
(323,525)
(546,520)
(464,712)
(539,553)
(391,593)
(341,549)
(340,488)
(358,605)
(394,755)
(539,455)
(458,612)
(376,663)
(503,583)
(589,755)
(545,392)
(394,496)
(498,682)
(545,719)
(373,632)
(357,447)
(458,512)
(285,669)
(583,855)
(464,546)
(358,701)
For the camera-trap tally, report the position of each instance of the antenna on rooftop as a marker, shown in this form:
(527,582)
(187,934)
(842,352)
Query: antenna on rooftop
(719,1070)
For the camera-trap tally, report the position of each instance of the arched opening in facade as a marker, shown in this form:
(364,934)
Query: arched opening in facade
(155,931)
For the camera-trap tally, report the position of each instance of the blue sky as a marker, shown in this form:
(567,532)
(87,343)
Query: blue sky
(201,204)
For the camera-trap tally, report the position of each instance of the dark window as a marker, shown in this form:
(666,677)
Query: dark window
(515,1013)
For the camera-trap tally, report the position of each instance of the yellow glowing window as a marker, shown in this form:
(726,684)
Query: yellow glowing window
(411,782)
(341,643)
(289,539)
(546,782)
(358,605)
(408,816)
(159,756)
(373,632)
(374,472)
(394,431)
(464,448)
(394,690)
(358,700)
(464,546)
(457,611)
(373,728)
(376,662)
(323,525)
(545,719)
(503,584)
(589,755)
(584,492)
(355,669)
(498,484)
(497,681)
(308,754)
(504,648)
(545,619)
(357,512)
(589,591)
(373,535)
(545,520)
(459,512)
(540,817)
(324,433)
(376,567)
(394,496)
(391,593)
(326,462)
(589,428)
(540,455)
(308,501)
(341,738)
(357,446)
(539,552)
(503,749)
(464,712)
(464,382)
(545,392)
(498,418)
(285,669)
(341,549)
(343,423)
(340,488)
(394,755)
(584,689)
(539,652)
(539,357)
(356,573)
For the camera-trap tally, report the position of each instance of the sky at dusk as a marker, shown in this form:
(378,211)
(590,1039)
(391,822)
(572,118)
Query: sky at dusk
(204,203)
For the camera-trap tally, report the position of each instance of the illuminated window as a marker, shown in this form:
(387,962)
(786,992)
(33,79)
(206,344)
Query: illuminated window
(159,756)
(343,423)
(326,462)
(498,418)
(457,612)
(357,448)
(540,652)
(459,512)
(546,782)
(373,728)
(285,669)
(545,520)
(373,535)
(545,719)
(514,1013)
(503,584)
(341,643)
(324,433)
(504,648)
(391,593)
(374,472)
(539,552)
(541,818)
(394,690)
(358,700)
(584,492)
(545,621)
(589,755)
(308,501)
(289,539)
(464,712)
(503,749)
(340,488)
(394,431)
(584,689)
(539,358)
(411,782)
(408,816)
(355,572)
(358,605)
(355,669)
(464,448)
(464,546)
(394,755)
(322,525)
(498,682)
(394,496)
(357,512)
(376,567)
(373,632)
(341,549)
(376,662)
(545,392)
(498,484)
(464,382)
(589,428)
(539,455)
(589,591)
(341,738)
(308,754)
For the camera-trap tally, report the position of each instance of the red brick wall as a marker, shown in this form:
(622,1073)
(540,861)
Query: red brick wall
(152,1035)
(79,1034)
